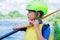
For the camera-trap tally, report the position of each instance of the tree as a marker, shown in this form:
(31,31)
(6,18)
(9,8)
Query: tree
(16,14)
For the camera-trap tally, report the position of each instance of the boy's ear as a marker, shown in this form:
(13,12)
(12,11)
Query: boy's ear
(39,14)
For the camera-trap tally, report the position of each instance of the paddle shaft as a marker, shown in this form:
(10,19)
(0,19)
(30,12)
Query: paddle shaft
(14,31)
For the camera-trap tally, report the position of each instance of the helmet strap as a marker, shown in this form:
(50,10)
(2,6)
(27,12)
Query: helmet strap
(37,18)
(36,15)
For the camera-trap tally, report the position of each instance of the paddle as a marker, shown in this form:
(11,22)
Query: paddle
(14,31)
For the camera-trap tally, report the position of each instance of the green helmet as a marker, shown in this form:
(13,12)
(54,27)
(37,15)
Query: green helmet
(37,6)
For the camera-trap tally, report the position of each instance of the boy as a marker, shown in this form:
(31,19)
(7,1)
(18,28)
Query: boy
(36,30)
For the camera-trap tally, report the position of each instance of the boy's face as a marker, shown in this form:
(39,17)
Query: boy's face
(32,15)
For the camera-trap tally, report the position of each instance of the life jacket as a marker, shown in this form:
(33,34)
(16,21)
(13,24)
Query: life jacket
(31,33)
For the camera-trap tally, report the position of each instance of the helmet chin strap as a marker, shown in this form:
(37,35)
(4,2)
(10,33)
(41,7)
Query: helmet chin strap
(36,15)
(37,18)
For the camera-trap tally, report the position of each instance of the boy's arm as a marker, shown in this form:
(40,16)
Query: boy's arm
(39,34)
(19,27)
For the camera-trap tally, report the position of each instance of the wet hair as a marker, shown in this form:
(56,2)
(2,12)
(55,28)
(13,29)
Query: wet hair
(41,12)
(32,10)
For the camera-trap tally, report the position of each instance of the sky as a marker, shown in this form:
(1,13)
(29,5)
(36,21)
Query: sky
(19,5)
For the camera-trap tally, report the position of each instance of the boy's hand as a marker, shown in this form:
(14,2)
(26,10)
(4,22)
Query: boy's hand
(35,23)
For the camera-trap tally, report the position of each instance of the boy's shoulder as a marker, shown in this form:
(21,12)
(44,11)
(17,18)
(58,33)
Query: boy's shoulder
(44,26)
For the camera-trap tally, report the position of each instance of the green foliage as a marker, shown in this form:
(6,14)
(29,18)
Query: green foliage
(13,14)
(1,15)
(56,31)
